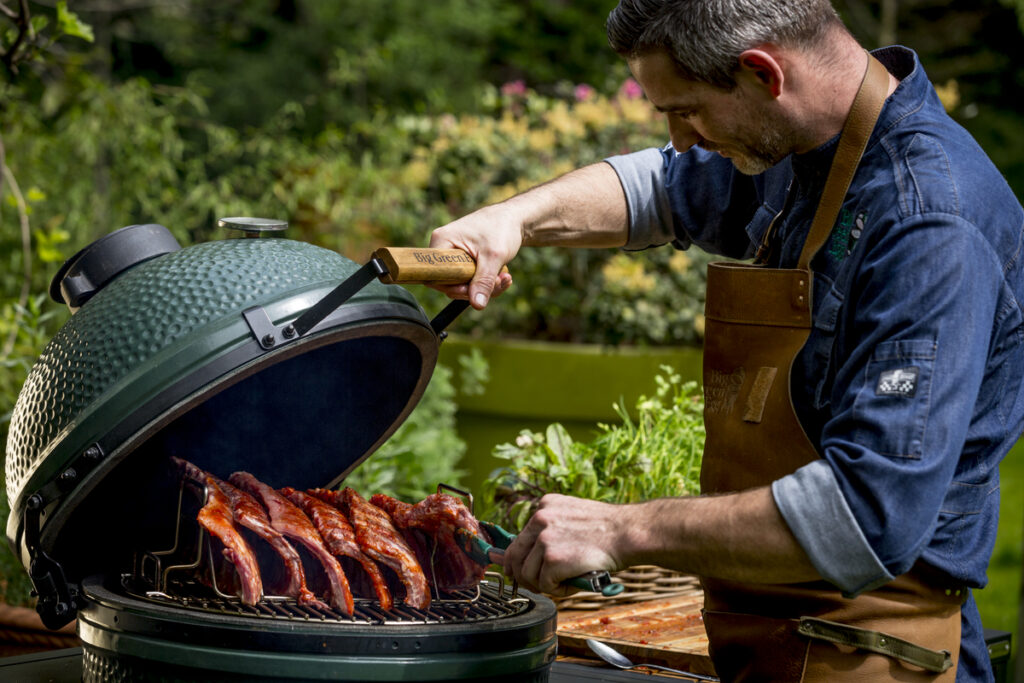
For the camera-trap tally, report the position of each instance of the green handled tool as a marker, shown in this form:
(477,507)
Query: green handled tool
(484,553)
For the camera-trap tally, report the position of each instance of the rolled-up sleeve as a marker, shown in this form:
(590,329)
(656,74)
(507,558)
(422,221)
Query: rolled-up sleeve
(692,198)
(817,513)
(642,175)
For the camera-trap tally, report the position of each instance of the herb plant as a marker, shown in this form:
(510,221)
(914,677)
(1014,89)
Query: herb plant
(656,454)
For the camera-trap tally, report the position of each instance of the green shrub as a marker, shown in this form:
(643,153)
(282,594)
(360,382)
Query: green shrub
(421,171)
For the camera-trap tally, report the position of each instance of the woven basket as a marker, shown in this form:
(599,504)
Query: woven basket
(22,632)
(642,582)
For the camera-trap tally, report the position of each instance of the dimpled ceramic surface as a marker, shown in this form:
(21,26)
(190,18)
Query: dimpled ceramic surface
(166,303)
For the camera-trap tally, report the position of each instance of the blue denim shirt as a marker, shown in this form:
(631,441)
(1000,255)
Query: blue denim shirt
(911,382)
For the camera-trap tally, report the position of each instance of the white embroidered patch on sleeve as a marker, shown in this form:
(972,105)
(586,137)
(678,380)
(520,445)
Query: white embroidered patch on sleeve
(898,382)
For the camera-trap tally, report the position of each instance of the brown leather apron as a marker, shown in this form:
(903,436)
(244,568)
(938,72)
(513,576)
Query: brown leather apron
(757,321)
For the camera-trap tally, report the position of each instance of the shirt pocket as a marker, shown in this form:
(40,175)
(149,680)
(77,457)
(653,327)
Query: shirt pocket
(759,224)
(893,402)
(822,340)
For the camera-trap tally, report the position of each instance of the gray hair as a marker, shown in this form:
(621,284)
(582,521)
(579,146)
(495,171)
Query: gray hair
(706,37)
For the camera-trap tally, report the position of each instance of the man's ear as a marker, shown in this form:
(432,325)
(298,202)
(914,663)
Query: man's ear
(763,67)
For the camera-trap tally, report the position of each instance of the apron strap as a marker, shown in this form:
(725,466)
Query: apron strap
(854,138)
(936,661)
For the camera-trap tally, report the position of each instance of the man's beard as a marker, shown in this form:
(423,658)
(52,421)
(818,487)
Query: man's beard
(768,150)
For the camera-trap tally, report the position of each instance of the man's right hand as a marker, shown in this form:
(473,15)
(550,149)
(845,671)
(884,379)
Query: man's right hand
(583,208)
(492,236)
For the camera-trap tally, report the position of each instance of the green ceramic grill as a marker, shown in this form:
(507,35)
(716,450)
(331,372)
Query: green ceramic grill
(267,355)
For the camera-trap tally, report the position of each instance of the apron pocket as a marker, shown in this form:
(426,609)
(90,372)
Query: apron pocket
(750,647)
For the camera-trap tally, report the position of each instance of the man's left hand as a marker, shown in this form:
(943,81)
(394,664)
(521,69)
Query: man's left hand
(565,537)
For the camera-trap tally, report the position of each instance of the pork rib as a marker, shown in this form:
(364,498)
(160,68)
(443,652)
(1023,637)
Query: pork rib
(379,539)
(291,522)
(250,514)
(438,516)
(216,517)
(340,538)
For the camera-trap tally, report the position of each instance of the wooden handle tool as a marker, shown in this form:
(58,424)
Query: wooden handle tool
(418,266)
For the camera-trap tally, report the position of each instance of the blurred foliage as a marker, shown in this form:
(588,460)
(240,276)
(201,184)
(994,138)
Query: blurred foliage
(28,43)
(444,166)
(343,62)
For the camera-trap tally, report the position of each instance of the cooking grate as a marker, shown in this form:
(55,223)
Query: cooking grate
(168,577)
(490,600)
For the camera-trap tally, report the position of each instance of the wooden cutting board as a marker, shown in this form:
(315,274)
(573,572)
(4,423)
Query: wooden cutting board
(669,632)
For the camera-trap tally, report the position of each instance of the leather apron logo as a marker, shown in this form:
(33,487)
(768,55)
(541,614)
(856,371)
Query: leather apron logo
(721,390)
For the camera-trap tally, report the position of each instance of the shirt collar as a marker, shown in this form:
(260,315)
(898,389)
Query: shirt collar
(811,167)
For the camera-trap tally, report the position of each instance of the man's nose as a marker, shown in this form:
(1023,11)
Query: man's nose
(682,134)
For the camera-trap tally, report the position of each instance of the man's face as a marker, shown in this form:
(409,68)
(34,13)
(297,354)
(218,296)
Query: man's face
(727,122)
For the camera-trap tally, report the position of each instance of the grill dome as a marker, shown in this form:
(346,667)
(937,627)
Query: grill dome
(162,355)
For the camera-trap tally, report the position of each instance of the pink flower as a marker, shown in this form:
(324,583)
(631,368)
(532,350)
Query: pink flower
(514,88)
(631,90)
(583,92)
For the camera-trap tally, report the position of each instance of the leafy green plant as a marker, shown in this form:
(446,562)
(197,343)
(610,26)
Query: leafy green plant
(657,454)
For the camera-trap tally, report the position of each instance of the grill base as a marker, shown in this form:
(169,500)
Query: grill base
(100,666)
(127,639)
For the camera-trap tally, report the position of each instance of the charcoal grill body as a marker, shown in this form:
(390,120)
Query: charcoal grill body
(180,353)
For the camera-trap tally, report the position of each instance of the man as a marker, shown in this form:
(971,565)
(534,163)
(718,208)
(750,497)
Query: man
(862,382)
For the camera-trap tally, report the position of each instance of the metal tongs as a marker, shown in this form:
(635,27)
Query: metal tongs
(484,554)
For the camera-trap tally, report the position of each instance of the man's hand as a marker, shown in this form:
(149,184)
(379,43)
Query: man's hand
(737,536)
(492,236)
(583,208)
(566,537)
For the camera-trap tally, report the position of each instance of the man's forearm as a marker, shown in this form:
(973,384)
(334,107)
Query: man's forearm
(584,208)
(738,536)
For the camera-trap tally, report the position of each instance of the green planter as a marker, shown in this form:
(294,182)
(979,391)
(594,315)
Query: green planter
(533,384)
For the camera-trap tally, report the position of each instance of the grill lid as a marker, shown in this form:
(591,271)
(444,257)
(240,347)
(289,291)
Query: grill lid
(189,352)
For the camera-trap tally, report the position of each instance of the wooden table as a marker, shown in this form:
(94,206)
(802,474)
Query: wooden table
(666,631)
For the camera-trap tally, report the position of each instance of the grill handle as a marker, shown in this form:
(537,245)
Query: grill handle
(390,265)
(420,266)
